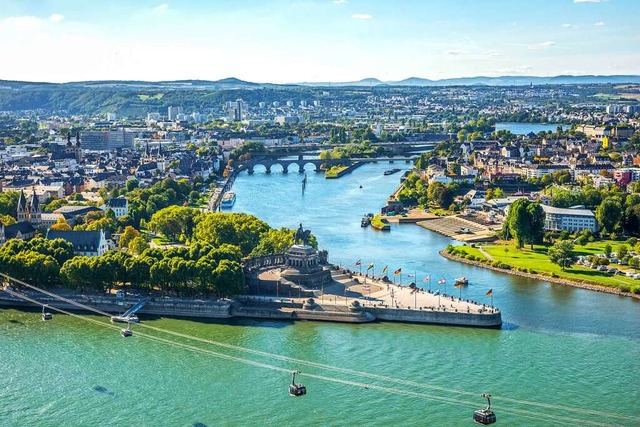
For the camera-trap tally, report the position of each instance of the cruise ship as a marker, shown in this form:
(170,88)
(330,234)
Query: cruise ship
(228,200)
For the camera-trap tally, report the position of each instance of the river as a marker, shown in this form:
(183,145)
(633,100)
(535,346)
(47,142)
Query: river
(561,354)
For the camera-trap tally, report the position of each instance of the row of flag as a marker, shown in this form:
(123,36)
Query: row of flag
(426,279)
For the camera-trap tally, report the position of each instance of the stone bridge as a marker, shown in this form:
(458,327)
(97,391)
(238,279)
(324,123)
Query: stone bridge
(302,163)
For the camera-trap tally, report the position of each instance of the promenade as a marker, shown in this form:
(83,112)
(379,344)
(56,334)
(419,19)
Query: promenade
(376,293)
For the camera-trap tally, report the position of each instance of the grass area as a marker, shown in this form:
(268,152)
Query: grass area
(144,97)
(536,261)
(162,241)
(334,172)
(380,223)
(473,251)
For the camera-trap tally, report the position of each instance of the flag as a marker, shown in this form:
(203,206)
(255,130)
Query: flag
(457,285)
(436,294)
(370,266)
(413,291)
(441,281)
(359,262)
(490,292)
(398,271)
(426,279)
(411,275)
(384,270)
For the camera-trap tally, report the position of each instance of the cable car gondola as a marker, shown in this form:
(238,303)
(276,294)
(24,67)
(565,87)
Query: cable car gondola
(486,415)
(46,315)
(127,332)
(296,390)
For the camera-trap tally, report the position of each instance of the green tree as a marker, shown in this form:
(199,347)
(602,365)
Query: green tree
(518,222)
(609,214)
(562,254)
(138,245)
(536,228)
(127,236)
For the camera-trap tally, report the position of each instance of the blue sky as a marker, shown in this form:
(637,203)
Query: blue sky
(315,40)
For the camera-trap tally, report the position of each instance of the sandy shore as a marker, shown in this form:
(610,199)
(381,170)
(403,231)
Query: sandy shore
(543,278)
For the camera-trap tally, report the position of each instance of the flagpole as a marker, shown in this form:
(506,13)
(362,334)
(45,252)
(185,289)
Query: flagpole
(429,283)
(415,297)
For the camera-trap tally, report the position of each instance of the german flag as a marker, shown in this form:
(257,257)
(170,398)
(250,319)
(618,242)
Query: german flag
(398,271)
(489,292)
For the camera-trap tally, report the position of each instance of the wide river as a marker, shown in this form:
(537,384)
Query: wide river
(564,356)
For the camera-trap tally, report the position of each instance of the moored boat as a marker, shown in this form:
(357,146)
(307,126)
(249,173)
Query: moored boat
(391,171)
(228,199)
(462,281)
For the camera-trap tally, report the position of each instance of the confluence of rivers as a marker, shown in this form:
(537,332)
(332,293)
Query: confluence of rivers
(563,356)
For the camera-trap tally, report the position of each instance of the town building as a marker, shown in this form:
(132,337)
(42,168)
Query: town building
(107,140)
(119,206)
(575,218)
(87,243)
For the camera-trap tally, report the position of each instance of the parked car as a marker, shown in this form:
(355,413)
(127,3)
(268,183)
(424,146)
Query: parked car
(602,268)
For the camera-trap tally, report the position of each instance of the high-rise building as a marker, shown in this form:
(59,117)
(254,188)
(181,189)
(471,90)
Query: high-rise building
(614,109)
(172,112)
(289,103)
(236,109)
(107,140)
(303,103)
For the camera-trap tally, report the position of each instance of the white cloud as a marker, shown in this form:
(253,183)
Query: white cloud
(455,52)
(339,1)
(56,17)
(490,53)
(599,24)
(163,6)
(587,1)
(361,16)
(543,45)
(20,22)
(568,25)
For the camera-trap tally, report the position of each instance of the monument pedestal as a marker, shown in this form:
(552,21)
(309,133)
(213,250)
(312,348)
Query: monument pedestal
(302,267)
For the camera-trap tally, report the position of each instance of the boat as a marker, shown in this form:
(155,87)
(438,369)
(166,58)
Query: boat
(365,221)
(462,281)
(125,319)
(391,171)
(228,199)
(129,316)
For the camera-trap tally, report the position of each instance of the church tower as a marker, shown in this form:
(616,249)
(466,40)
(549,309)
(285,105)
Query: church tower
(35,211)
(78,148)
(23,213)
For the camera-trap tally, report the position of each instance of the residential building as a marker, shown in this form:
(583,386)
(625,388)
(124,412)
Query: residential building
(119,206)
(88,243)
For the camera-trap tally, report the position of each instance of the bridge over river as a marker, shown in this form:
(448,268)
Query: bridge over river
(302,163)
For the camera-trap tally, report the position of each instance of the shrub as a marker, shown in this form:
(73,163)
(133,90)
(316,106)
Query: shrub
(496,263)
(631,241)
(505,266)
(603,261)
(471,257)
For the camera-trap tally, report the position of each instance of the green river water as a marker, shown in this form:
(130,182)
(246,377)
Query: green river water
(564,356)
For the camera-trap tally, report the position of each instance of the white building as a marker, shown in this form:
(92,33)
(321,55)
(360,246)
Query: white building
(571,219)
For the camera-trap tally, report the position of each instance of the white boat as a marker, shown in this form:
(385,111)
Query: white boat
(462,281)
(125,319)
(228,199)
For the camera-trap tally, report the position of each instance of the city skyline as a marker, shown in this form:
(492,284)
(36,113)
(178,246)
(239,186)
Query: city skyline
(315,41)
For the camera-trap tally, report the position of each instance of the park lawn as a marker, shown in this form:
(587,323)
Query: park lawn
(472,251)
(538,261)
(160,241)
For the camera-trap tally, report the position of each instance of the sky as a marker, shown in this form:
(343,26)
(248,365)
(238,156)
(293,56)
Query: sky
(285,41)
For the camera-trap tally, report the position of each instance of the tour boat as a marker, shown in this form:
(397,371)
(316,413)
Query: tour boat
(228,199)
(462,281)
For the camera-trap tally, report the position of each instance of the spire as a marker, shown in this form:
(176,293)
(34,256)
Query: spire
(146,150)
(77,139)
(159,148)
(34,202)
(22,202)
(68,139)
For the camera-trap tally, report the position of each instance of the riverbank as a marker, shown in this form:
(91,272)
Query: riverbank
(338,171)
(540,277)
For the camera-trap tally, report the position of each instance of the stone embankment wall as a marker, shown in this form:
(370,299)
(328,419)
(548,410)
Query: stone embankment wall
(541,277)
(484,320)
